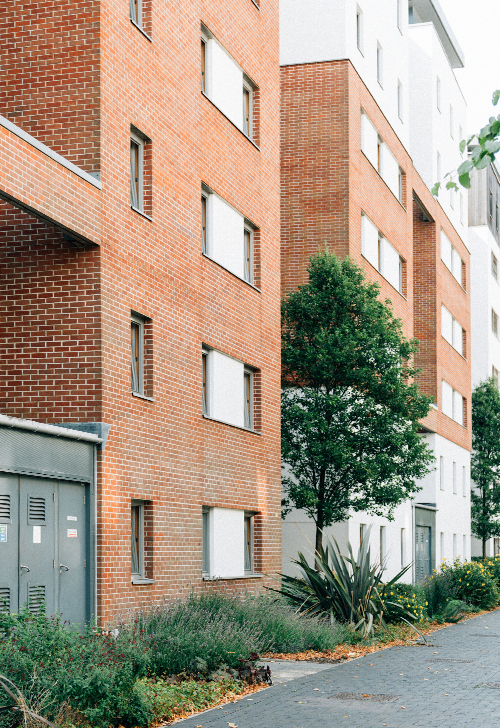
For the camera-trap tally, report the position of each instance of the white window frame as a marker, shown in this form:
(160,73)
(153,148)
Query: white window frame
(455,483)
(247,86)
(494,322)
(438,94)
(248,268)
(248,415)
(139,207)
(205,541)
(464,481)
(400,99)
(399,14)
(457,345)
(441,473)
(494,266)
(380,65)
(249,518)
(138,21)
(136,320)
(359,30)
(455,546)
(205,381)
(140,574)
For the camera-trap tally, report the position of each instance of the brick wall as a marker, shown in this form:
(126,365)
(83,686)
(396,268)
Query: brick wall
(327,182)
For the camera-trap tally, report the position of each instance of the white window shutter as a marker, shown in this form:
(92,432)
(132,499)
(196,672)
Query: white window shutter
(226,236)
(445,250)
(225,83)
(390,170)
(457,336)
(369,241)
(369,140)
(226,389)
(390,263)
(447,399)
(227,546)
(447,325)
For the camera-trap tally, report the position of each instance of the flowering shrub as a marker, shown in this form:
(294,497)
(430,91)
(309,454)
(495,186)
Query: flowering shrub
(409,597)
(493,566)
(473,583)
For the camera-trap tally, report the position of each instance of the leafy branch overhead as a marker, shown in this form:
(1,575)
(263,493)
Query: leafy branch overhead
(486,146)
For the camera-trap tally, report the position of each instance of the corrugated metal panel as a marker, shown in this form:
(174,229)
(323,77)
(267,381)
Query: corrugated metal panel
(32,453)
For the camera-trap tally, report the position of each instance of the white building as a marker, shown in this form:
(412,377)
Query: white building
(484,242)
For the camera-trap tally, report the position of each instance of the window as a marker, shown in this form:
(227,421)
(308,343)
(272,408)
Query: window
(136,12)
(441,545)
(228,389)
(496,546)
(400,100)
(381,157)
(452,403)
(381,254)
(441,472)
(248,543)
(205,515)
(399,14)
(140,523)
(455,546)
(225,84)
(452,331)
(362,532)
(383,547)
(227,237)
(136,173)
(228,543)
(455,484)
(462,209)
(248,398)
(380,68)
(490,206)
(438,94)
(452,122)
(464,481)
(438,165)
(403,547)
(494,374)
(464,547)
(452,259)
(494,266)
(494,322)
(137,354)
(359,29)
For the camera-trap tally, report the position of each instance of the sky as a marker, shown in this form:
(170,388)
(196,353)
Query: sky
(475,24)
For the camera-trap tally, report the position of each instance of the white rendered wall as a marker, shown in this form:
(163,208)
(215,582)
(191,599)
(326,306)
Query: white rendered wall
(226,235)
(430,128)
(312,31)
(227,555)
(226,390)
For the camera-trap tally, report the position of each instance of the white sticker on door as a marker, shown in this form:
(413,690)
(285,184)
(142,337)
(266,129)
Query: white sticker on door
(72,518)
(3,534)
(37,534)
(72,533)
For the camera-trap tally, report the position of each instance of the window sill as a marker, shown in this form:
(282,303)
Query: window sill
(230,424)
(141,30)
(231,272)
(383,276)
(231,122)
(142,396)
(383,180)
(456,350)
(139,580)
(256,4)
(140,212)
(232,578)
(460,424)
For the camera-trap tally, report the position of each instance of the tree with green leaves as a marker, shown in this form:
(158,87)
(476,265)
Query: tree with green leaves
(485,462)
(351,405)
(485,146)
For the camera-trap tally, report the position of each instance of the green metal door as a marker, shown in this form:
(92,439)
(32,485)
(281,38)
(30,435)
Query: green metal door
(422,552)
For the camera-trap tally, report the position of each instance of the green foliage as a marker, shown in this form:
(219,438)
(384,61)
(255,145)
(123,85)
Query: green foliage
(442,604)
(485,461)
(407,597)
(472,583)
(486,145)
(167,701)
(350,408)
(493,566)
(342,588)
(94,673)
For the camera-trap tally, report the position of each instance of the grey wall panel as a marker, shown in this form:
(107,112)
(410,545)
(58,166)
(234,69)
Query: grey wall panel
(33,453)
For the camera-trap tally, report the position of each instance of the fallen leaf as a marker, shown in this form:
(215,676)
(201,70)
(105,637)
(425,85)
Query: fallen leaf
(366,696)
(403,707)
(446,693)
(400,673)
(426,678)
(436,653)
(316,689)
(232,725)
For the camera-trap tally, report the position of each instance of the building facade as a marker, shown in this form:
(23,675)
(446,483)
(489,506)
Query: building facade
(371,117)
(140,212)
(484,243)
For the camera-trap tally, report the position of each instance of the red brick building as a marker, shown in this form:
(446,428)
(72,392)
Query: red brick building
(357,167)
(141,286)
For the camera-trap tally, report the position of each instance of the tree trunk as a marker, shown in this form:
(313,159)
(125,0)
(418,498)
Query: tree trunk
(484,547)
(319,536)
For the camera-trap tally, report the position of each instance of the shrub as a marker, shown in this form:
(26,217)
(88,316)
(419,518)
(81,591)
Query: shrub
(441,600)
(407,597)
(493,566)
(473,583)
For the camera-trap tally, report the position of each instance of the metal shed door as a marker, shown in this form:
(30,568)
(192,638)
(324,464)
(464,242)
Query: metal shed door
(71,562)
(9,543)
(422,552)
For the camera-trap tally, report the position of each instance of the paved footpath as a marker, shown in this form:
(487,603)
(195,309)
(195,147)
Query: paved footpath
(454,682)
